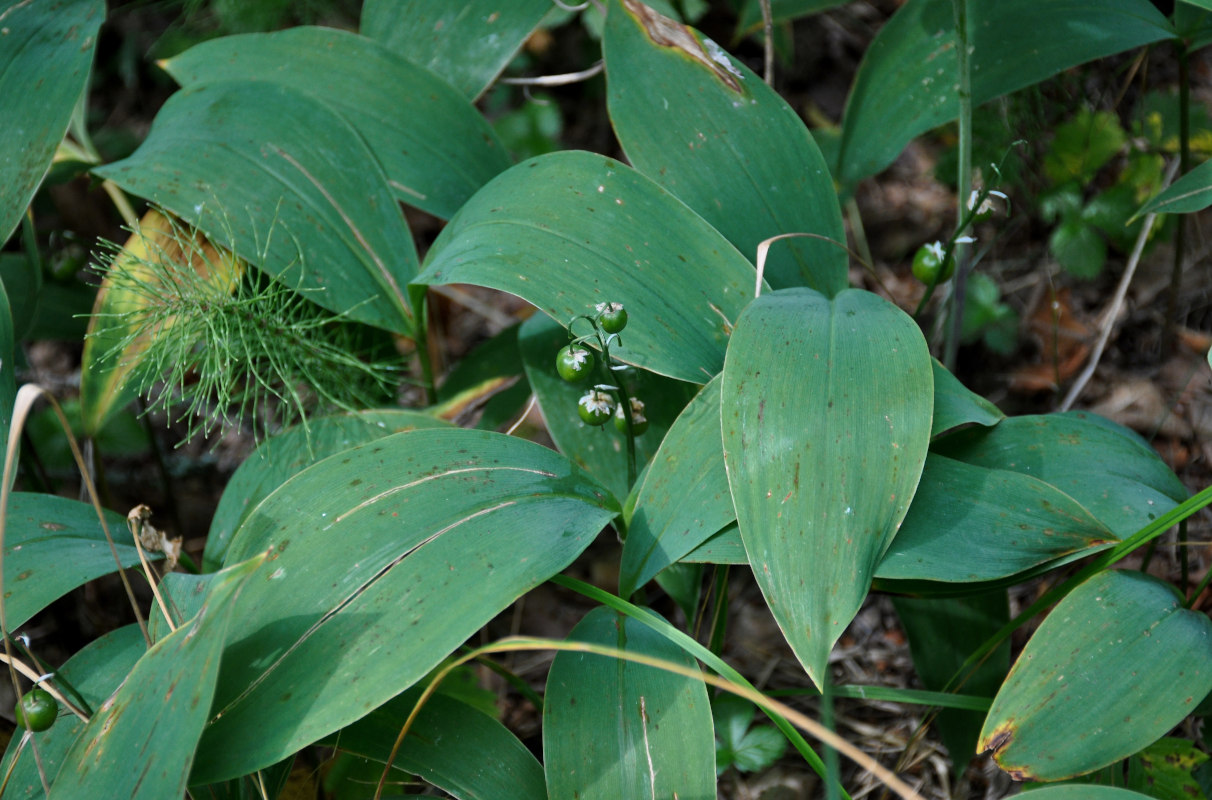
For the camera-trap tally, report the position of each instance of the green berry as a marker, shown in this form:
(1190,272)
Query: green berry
(595,407)
(639,423)
(928,264)
(574,363)
(37,710)
(613,317)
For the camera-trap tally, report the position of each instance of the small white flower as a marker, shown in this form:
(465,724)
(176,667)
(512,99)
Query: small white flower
(596,401)
(602,308)
(987,206)
(966,240)
(637,411)
(579,356)
(936,249)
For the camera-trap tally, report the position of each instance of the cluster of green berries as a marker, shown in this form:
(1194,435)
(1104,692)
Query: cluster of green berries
(576,363)
(37,710)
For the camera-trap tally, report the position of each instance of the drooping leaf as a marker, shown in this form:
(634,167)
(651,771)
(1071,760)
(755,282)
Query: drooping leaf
(436,35)
(907,82)
(94,672)
(702,125)
(434,146)
(452,745)
(942,633)
(659,723)
(1105,467)
(44,66)
(283,456)
(684,498)
(385,557)
(153,720)
(569,230)
(1192,192)
(157,248)
(602,452)
(488,385)
(1073,701)
(971,523)
(821,486)
(51,546)
(956,405)
(282,180)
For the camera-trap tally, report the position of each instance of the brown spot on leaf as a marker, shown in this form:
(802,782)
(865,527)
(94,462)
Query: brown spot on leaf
(670,33)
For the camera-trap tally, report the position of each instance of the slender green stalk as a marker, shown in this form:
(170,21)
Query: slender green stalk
(963,182)
(1180,234)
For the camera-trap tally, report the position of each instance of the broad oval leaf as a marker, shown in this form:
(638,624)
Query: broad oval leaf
(569,230)
(909,75)
(601,451)
(970,523)
(706,128)
(94,672)
(283,456)
(156,715)
(684,498)
(436,35)
(452,745)
(44,67)
(827,411)
(385,557)
(51,546)
(433,144)
(1192,192)
(1085,792)
(283,181)
(1116,664)
(1108,469)
(955,405)
(658,728)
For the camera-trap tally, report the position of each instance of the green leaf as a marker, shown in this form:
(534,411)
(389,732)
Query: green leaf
(385,557)
(750,21)
(283,456)
(659,723)
(490,382)
(955,405)
(706,128)
(684,498)
(44,66)
(435,147)
(971,523)
(287,184)
(827,410)
(1078,249)
(1079,792)
(8,377)
(749,749)
(907,82)
(1108,469)
(51,546)
(602,452)
(436,35)
(154,718)
(94,672)
(1073,701)
(451,745)
(1082,146)
(1192,192)
(1169,765)
(942,633)
(569,230)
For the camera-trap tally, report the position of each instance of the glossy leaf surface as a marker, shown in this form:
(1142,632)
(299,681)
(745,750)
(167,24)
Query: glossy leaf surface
(385,558)
(44,67)
(658,740)
(435,147)
(283,456)
(436,35)
(51,546)
(827,412)
(1105,467)
(570,230)
(705,127)
(955,405)
(910,74)
(1073,701)
(287,184)
(154,718)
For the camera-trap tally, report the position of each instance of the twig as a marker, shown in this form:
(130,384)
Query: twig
(768,40)
(1117,301)
(562,79)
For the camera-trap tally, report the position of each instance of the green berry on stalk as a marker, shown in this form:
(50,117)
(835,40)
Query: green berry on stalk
(928,264)
(37,710)
(639,423)
(595,407)
(574,363)
(613,317)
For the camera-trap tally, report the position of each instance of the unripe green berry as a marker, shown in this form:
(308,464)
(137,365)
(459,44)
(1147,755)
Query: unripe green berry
(595,407)
(612,317)
(928,264)
(37,710)
(574,363)
(639,423)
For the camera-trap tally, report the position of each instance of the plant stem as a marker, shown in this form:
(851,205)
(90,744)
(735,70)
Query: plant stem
(963,182)
(1180,235)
